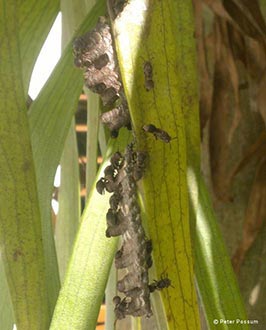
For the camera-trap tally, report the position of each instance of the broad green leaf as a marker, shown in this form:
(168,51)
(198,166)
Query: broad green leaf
(93,114)
(73,13)
(102,138)
(69,192)
(146,31)
(6,308)
(20,225)
(216,281)
(35,19)
(82,293)
(110,292)
(67,220)
(50,117)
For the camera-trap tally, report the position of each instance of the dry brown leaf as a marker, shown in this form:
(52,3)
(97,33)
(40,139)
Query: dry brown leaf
(255,215)
(233,72)
(225,80)
(254,8)
(241,14)
(205,80)
(256,150)
(253,55)
(244,15)
(261,97)
(248,17)
(217,7)
(237,43)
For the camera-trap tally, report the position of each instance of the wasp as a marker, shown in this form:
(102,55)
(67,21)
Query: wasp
(121,307)
(149,261)
(116,223)
(117,230)
(115,200)
(164,282)
(148,247)
(110,172)
(122,260)
(148,73)
(110,180)
(139,159)
(105,184)
(117,160)
(158,133)
(101,185)
(113,217)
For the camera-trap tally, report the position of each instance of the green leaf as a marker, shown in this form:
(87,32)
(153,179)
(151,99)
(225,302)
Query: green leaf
(216,281)
(110,292)
(69,192)
(20,226)
(67,220)
(35,19)
(50,117)
(215,277)
(33,23)
(93,114)
(83,289)
(6,308)
(146,31)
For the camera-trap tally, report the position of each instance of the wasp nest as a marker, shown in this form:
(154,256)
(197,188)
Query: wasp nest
(95,54)
(123,218)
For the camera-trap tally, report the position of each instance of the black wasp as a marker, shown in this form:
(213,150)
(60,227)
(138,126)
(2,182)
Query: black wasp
(158,133)
(148,73)
(164,282)
(110,173)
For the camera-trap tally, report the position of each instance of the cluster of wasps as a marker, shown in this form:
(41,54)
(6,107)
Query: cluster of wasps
(124,218)
(95,54)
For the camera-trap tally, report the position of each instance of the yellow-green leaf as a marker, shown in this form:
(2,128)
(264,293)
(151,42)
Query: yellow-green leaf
(146,32)
(20,225)
(6,308)
(35,19)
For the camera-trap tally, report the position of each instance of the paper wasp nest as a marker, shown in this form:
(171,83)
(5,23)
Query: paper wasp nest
(123,218)
(95,54)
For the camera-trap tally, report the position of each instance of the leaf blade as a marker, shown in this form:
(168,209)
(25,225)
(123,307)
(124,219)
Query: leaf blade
(67,220)
(144,33)
(35,21)
(20,226)
(83,290)
(49,118)
(217,283)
